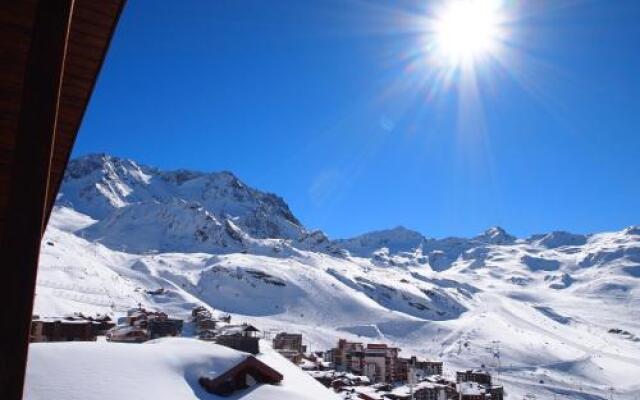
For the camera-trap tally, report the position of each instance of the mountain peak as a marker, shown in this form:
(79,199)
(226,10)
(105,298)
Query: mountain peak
(557,239)
(402,230)
(102,163)
(495,235)
(395,240)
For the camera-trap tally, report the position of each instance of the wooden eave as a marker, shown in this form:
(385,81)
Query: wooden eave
(91,28)
(51,52)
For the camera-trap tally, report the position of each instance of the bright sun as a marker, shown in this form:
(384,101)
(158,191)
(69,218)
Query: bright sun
(466,30)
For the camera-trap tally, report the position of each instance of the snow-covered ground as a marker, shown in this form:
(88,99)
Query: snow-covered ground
(562,308)
(161,369)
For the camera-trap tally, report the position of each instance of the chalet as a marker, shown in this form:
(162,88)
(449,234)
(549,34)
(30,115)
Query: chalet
(207,334)
(339,378)
(199,313)
(197,310)
(206,324)
(474,375)
(314,364)
(421,368)
(472,391)
(129,334)
(247,373)
(420,391)
(289,345)
(368,393)
(134,317)
(61,330)
(203,319)
(160,327)
(101,324)
(240,337)
(244,330)
(148,324)
(372,392)
(288,341)
(477,385)
(136,310)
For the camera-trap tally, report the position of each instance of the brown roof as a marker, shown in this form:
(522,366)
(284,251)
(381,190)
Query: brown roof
(250,365)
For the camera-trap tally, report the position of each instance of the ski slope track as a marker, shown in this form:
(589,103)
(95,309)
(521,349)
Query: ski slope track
(562,308)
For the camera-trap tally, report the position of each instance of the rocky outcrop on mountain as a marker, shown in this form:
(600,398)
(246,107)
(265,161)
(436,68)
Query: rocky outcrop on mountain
(557,239)
(399,239)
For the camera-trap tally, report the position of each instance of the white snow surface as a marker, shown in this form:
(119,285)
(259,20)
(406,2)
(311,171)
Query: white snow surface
(550,300)
(162,369)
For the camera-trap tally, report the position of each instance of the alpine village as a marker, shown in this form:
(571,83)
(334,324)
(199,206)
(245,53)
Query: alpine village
(354,370)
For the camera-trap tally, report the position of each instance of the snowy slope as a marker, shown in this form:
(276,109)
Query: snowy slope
(564,307)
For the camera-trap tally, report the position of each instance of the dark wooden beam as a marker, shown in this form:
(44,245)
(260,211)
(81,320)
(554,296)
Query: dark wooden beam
(29,186)
(88,44)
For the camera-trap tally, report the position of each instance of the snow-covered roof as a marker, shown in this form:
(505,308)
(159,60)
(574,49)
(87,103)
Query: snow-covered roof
(371,392)
(167,368)
(236,329)
(471,388)
(307,364)
(339,374)
(66,320)
(123,330)
(406,390)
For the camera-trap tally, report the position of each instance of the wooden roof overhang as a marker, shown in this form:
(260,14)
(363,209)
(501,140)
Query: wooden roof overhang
(51,52)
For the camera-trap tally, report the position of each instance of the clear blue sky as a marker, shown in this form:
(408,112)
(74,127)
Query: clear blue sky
(316,101)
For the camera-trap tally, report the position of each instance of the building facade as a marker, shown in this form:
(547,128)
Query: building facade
(61,331)
(422,368)
(384,360)
(288,341)
(378,362)
(477,385)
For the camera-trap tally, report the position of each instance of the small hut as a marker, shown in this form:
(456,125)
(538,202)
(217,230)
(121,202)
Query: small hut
(62,330)
(130,334)
(206,324)
(164,327)
(240,337)
(207,335)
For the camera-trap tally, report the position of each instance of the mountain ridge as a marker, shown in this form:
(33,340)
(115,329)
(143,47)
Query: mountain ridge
(99,185)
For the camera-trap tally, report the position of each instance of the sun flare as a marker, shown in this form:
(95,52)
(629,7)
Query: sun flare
(466,30)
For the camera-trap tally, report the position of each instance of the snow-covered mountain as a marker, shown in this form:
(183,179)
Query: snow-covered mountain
(563,306)
(126,196)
